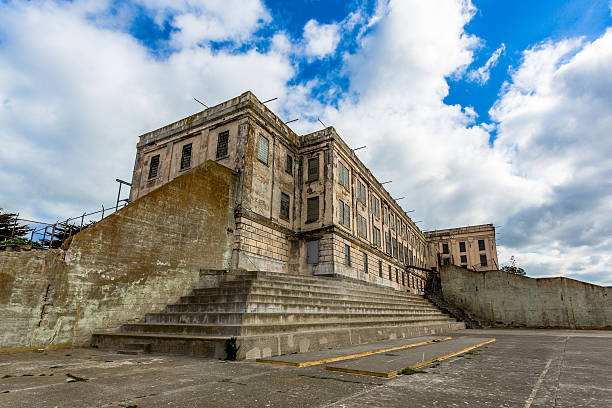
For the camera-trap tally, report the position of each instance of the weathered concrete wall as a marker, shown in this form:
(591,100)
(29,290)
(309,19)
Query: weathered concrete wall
(505,299)
(135,261)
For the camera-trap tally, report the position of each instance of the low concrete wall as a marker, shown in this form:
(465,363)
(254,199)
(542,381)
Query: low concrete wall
(133,262)
(504,299)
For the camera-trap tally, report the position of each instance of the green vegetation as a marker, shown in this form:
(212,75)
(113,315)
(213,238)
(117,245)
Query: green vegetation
(19,242)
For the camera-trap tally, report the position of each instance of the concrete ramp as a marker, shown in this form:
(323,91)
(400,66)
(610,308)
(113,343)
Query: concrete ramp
(390,364)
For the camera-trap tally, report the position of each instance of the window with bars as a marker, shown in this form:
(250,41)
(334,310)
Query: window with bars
(344,213)
(481,245)
(289,164)
(186,157)
(388,242)
(343,175)
(284,206)
(347,254)
(362,226)
(312,209)
(380,269)
(462,247)
(445,248)
(222,143)
(263,149)
(396,275)
(403,279)
(464,259)
(154,166)
(406,254)
(377,237)
(390,277)
(313,168)
(361,192)
(376,206)
(386,214)
(401,253)
(365,262)
(392,221)
(394,242)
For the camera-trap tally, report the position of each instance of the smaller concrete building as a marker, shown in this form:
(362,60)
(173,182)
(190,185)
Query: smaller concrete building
(470,247)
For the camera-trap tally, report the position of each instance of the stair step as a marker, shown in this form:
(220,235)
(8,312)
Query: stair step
(286,307)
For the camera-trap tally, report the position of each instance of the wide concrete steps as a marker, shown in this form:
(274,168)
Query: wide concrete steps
(272,314)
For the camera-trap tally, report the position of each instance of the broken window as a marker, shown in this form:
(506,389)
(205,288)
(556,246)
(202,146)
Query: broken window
(186,157)
(222,142)
(154,166)
(313,168)
(289,164)
(312,209)
(284,206)
(263,149)
(462,247)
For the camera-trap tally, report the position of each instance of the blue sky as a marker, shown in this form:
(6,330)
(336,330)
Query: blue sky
(482,111)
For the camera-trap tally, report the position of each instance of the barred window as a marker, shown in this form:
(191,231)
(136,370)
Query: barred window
(362,227)
(222,142)
(343,175)
(392,221)
(388,242)
(464,259)
(406,254)
(390,277)
(376,206)
(396,275)
(403,279)
(347,254)
(377,237)
(386,214)
(313,168)
(186,157)
(263,149)
(154,166)
(445,248)
(344,213)
(312,209)
(394,241)
(481,245)
(365,262)
(380,269)
(462,247)
(284,206)
(289,164)
(401,253)
(361,192)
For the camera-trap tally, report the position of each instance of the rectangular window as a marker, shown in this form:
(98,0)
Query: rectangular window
(462,247)
(445,249)
(463,259)
(392,221)
(362,226)
(394,242)
(312,209)
(289,164)
(361,192)
(186,157)
(406,254)
(343,175)
(313,169)
(403,279)
(380,269)
(347,254)
(481,245)
(365,262)
(390,277)
(388,242)
(376,206)
(222,142)
(312,250)
(483,260)
(284,206)
(154,166)
(410,255)
(446,261)
(396,275)
(344,213)
(386,214)
(263,149)
(401,253)
(377,237)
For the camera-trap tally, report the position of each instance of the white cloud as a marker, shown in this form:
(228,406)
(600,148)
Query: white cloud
(482,74)
(320,40)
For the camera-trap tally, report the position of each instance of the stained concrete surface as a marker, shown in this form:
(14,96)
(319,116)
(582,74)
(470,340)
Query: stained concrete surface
(523,368)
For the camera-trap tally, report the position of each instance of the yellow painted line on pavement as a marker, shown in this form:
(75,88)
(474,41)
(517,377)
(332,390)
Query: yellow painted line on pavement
(414,367)
(349,356)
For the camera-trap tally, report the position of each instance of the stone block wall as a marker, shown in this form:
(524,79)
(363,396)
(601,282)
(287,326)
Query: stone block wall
(260,247)
(504,299)
(133,262)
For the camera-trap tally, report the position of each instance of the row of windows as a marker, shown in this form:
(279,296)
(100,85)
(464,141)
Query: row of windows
(463,259)
(445,248)
(347,262)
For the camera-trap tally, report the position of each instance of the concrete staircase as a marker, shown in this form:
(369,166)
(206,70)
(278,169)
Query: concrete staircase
(272,314)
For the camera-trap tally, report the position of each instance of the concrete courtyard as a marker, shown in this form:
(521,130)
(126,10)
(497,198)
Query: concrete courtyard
(523,368)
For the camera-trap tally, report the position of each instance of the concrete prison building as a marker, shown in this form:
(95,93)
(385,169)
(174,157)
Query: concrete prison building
(305,204)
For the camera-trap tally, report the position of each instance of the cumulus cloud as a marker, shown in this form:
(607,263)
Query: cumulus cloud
(320,40)
(482,74)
